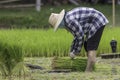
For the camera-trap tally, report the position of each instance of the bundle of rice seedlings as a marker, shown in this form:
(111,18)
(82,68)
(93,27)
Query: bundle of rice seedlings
(65,63)
(11,60)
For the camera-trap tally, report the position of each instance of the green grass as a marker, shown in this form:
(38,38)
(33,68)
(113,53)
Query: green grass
(28,17)
(48,43)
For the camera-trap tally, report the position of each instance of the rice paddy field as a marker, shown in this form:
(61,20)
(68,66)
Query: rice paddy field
(39,46)
(106,69)
(46,43)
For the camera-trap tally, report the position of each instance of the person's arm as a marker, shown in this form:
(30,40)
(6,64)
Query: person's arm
(78,33)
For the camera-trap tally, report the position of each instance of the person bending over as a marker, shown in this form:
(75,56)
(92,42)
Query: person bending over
(86,25)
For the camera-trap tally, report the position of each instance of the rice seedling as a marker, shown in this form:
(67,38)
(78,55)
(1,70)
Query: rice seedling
(46,43)
(65,63)
(11,60)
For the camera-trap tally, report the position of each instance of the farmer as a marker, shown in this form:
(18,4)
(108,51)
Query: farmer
(86,25)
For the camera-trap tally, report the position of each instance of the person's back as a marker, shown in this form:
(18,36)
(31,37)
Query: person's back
(88,18)
(85,14)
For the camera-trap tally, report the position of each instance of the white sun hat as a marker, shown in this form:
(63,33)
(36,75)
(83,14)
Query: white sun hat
(55,19)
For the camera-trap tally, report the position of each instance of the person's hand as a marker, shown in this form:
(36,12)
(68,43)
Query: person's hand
(72,55)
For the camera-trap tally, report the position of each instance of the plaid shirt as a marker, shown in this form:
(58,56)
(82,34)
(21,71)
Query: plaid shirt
(83,21)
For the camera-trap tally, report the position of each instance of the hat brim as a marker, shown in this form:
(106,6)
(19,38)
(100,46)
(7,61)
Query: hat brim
(60,18)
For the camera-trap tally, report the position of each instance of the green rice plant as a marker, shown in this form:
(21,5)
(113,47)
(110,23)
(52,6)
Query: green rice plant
(109,34)
(47,43)
(77,64)
(11,59)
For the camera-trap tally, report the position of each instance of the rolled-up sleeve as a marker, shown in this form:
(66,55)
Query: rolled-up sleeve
(78,33)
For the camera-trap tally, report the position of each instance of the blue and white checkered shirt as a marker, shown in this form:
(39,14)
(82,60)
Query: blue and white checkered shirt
(83,21)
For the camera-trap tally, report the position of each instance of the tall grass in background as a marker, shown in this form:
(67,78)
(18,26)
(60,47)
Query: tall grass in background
(46,43)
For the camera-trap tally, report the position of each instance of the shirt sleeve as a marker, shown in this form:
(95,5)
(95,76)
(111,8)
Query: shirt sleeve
(78,34)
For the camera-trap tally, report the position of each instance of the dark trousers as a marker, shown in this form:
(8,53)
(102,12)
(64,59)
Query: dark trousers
(93,42)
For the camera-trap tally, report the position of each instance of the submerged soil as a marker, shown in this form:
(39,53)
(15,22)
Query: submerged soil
(106,69)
